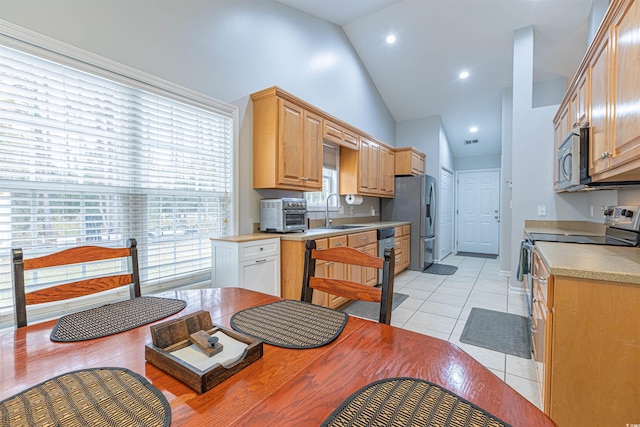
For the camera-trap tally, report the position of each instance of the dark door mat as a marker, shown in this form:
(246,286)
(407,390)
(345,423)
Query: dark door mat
(371,310)
(503,332)
(441,269)
(476,255)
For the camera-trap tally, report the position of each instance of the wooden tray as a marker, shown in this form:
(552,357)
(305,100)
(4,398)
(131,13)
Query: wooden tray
(174,334)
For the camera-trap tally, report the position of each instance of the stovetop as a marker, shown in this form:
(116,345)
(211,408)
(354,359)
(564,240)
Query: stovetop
(571,238)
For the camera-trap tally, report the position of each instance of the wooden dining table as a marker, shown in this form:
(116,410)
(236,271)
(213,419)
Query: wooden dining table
(286,387)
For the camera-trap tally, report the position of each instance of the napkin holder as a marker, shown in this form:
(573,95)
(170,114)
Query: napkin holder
(176,334)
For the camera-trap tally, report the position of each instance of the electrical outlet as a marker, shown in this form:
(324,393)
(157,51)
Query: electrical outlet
(373,211)
(341,210)
(542,210)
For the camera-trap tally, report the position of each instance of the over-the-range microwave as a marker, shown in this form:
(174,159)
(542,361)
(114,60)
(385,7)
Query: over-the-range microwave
(573,164)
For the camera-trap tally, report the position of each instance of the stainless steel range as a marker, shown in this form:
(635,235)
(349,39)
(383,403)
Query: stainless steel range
(623,229)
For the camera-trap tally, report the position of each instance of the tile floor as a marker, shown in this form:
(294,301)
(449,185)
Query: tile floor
(439,306)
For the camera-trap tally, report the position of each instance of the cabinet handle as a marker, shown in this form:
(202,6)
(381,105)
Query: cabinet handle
(363,238)
(261,261)
(304,178)
(533,330)
(339,244)
(605,155)
(542,281)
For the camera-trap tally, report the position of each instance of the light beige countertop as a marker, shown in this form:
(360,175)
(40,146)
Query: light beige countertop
(312,233)
(247,237)
(597,262)
(582,228)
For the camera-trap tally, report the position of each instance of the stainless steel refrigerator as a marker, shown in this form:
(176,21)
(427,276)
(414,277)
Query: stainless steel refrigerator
(415,201)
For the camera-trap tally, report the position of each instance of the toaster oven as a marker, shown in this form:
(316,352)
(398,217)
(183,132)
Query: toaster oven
(283,215)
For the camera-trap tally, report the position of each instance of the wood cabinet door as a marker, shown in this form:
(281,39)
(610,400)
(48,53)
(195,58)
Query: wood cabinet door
(582,117)
(599,110)
(364,158)
(387,171)
(417,164)
(311,150)
(626,115)
(406,250)
(370,275)
(290,135)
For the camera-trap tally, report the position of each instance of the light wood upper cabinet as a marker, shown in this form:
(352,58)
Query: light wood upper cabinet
(604,96)
(287,145)
(339,135)
(409,161)
(387,169)
(626,66)
(288,134)
(369,171)
(599,109)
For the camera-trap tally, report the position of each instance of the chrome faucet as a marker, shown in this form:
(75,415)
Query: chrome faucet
(328,221)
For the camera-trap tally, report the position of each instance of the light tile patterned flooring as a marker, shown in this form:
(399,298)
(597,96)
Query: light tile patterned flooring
(439,306)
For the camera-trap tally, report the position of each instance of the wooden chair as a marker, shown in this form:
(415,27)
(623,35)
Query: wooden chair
(345,288)
(59,292)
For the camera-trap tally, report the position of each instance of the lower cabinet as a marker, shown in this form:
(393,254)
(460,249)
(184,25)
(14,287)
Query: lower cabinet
(586,342)
(402,246)
(253,264)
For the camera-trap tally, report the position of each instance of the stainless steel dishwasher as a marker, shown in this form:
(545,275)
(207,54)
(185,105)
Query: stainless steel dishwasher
(385,240)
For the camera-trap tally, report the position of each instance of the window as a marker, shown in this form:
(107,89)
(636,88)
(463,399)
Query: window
(330,168)
(91,160)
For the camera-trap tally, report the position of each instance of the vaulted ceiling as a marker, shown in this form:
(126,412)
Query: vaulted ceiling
(417,76)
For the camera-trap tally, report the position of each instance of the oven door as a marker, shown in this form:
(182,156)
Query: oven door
(295,220)
(569,161)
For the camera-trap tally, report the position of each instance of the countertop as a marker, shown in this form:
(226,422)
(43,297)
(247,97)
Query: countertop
(582,228)
(597,262)
(312,233)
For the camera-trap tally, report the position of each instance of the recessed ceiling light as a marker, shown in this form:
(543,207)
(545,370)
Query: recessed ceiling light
(463,75)
(391,39)
(473,129)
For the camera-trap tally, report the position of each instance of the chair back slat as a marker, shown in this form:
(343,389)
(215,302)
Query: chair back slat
(346,289)
(79,254)
(348,255)
(77,289)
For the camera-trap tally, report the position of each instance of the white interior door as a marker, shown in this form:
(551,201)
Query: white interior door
(445,234)
(478,211)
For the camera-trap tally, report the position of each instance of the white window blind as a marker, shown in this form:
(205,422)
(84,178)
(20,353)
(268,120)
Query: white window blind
(88,160)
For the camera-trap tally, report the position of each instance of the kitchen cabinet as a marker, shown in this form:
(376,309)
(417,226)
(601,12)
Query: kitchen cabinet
(339,135)
(287,144)
(366,241)
(586,347)
(626,85)
(409,161)
(599,109)
(369,171)
(252,264)
(541,324)
(405,242)
(603,93)
(402,246)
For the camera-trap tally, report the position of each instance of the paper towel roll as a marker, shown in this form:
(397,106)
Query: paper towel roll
(352,199)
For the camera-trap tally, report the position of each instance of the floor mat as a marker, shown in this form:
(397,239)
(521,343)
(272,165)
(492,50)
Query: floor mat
(503,332)
(441,269)
(476,255)
(371,310)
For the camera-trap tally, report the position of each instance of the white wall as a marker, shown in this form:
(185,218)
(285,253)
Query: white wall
(478,162)
(223,49)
